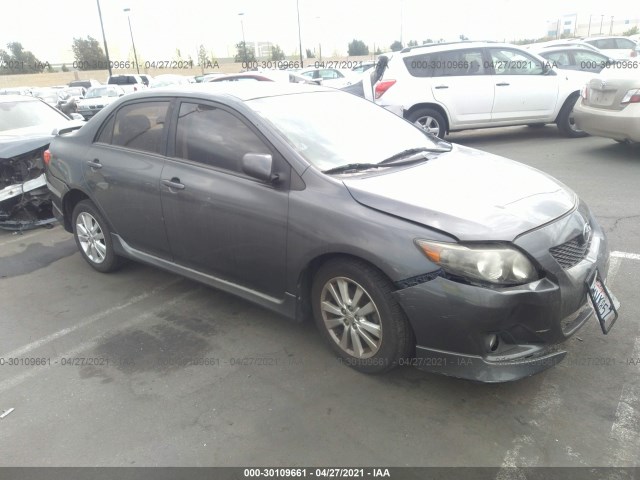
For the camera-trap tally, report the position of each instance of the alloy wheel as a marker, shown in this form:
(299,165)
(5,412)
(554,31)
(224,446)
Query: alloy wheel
(351,317)
(91,237)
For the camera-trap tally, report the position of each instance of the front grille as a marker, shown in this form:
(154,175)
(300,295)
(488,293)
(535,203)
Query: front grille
(570,253)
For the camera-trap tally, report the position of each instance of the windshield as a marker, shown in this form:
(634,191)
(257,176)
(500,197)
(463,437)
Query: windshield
(101,92)
(330,129)
(23,114)
(50,96)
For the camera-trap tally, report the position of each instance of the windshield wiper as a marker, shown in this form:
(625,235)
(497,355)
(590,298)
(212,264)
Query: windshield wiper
(413,151)
(356,167)
(352,167)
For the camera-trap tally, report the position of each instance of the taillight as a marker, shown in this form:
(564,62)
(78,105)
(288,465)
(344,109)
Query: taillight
(383,86)
(46,157)
(632,96)
(634,53)
(584,92)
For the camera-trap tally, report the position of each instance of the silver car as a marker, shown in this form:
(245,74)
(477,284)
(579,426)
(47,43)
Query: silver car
(404,249)
(610,105)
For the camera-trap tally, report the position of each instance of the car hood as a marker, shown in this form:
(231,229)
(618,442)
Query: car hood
(472,195)
(22,140)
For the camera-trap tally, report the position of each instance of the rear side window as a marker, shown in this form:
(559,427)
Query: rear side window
(214,137)
(625,43)
(140,126)
(421,65)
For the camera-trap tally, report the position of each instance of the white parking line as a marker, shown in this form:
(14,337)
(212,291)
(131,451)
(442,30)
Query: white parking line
(630,256)
(91,343)
(94,318)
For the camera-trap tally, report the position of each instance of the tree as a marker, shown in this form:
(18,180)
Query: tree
(412,43)
(276,53)
(310,54)
(64,68)
(463,38)
(632,31)
(396,46)
(378,51)
(18,61)
(244,54)
(357,48)
(88,54)
(427,41)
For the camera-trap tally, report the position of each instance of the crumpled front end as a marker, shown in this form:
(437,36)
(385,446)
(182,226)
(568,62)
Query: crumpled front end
(25,201)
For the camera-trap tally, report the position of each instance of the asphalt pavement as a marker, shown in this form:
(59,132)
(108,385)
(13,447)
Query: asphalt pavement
(144,368)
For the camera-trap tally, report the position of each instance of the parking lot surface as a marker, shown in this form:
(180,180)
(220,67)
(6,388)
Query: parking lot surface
(143,368)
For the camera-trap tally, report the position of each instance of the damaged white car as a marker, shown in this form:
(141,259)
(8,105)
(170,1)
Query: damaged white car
(27,125)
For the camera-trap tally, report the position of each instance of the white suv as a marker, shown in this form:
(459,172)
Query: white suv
(467,85)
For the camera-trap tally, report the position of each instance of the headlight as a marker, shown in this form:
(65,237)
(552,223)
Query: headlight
(498,265)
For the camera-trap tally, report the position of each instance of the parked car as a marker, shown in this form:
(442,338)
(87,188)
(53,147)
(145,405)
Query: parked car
(576,58)
(405,251)
(566,42)
(614,46)
(86,84)
(206,76)
(16,91)
(167,80)
(262,76)
(610,105)
(97,98)
(26,128)
(128,82)
(329,77)
(47,95)
(466,85)
(363,67)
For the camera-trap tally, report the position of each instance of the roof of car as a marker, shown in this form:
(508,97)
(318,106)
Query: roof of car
(461,43)
(18,98)
(241,90)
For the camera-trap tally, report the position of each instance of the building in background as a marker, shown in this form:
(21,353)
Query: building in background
(574,25)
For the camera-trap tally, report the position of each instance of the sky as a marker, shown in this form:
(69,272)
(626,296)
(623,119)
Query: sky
(161,27)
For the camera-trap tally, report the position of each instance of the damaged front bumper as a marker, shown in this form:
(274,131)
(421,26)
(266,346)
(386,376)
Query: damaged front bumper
(25,200)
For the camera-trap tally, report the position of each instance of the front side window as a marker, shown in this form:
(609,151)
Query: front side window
(506,61)
(140,126)
(214,137)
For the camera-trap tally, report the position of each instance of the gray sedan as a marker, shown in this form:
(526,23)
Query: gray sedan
(404,249)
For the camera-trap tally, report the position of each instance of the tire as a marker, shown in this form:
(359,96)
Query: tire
(429,120)
(371,343)
(93,238)
(566,123)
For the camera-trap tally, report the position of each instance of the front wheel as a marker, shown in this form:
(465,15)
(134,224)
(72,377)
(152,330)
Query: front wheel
(354,309)
(429,120)
(93,237)
(566,121)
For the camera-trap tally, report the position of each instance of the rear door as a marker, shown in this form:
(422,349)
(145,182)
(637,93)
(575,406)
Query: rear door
(219,220)
(462,83)
(525,91)
(123,173)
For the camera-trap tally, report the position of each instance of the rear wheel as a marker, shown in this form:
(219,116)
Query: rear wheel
(355,311)
(429,120)
(566,121)
(93,237)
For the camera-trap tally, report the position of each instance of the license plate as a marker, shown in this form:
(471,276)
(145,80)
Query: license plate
(601,98)
(603,302)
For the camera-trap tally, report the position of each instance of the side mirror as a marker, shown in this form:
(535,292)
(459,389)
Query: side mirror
(258,165)
(76,116)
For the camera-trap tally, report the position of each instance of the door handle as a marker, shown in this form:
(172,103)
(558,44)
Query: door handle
(441,86)
(502,84)
(174,184)
(95,163)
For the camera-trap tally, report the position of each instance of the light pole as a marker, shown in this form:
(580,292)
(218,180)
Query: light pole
(318,26)
(589,29)
(299,36)
(104,38)
(244,43)
(135,55)
(601,20)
